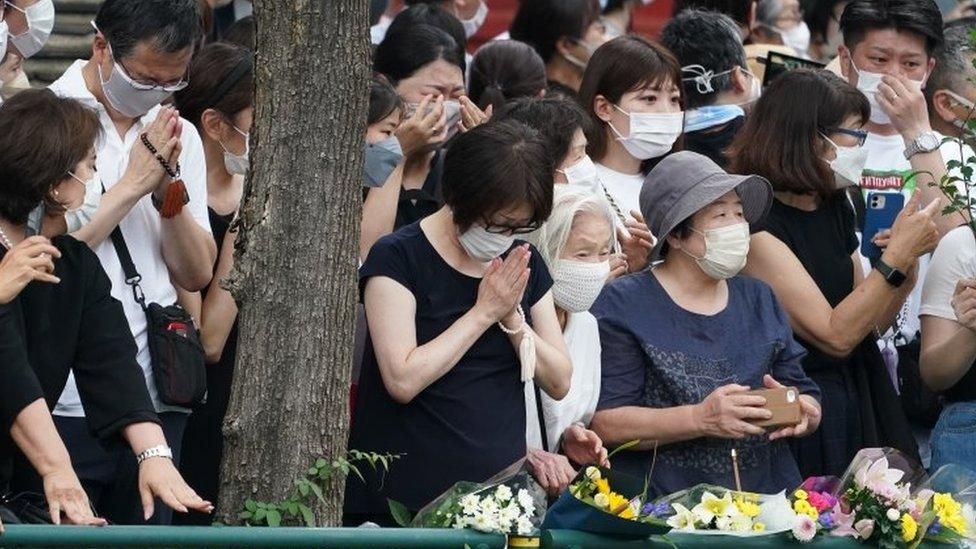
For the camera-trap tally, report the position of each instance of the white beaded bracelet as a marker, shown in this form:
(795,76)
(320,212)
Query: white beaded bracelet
(527,356)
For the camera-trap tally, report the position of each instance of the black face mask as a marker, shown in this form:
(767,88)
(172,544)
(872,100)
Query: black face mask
(712,142)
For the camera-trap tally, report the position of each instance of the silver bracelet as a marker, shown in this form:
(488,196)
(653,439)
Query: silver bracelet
(156,451)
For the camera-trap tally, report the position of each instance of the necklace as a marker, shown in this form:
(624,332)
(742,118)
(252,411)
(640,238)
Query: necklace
(5,240)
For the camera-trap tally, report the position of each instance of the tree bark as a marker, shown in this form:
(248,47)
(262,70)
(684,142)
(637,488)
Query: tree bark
(296,252)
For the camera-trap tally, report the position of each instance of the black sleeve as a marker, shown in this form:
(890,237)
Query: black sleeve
(110,381)
(540,281)
(387,258)
(18,385)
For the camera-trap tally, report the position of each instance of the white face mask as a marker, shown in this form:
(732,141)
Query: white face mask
(797,38)
(472,25)
(484,246)
(3,39)
(582,173)
(867,83)
(237,164)
(576,61)
(726,250)
(452,109)
(960,123)
(577,284)
(848,165)
(82,215)
(651,134)
(40,23)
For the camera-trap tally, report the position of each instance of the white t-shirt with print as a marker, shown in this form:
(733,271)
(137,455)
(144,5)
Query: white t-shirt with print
(955,258)
(624,190)
(582,337)
(141,227)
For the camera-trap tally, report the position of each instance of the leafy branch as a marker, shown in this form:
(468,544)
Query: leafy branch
(296,509)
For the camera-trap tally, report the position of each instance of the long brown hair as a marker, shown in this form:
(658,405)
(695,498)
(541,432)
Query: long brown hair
(624,64)
(782,140)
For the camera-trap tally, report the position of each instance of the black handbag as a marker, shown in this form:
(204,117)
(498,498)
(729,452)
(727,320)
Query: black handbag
(177,356)
(24,508)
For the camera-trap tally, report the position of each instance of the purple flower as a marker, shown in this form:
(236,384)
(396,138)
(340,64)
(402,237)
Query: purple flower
(656,509)
(935,528)
(826,520)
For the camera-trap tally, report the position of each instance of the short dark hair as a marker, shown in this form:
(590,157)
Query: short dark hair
(221,77)
(170,25)
(376,10)
(503,70)
(404,51)
(709,39)
(383,99)
(682,230)
(242,32)
(738,10)
(541,23)
(624,64)
(42,138)
(496,166)
(556,119)
(435,16)
(921,17)
(952,66)
(782,142)
(818,16)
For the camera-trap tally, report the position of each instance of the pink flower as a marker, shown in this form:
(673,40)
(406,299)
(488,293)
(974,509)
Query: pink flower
(804,528)
(844,523)
(878,478)
(819,501)
(864,528)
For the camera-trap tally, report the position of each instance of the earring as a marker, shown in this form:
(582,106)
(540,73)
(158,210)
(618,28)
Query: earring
(56,193)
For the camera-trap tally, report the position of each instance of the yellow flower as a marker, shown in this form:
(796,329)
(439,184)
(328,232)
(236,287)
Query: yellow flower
(812,513)
(593,473)
(617,501)
(802,506)
(628,514)
(758,527)
(603,486)
(800,494)
(909,528)
(715,505)
(748,509)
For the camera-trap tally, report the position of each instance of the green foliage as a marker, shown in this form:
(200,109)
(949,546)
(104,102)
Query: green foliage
(400,513)
(296,509)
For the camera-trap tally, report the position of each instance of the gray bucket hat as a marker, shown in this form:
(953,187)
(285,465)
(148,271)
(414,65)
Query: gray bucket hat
(685,182)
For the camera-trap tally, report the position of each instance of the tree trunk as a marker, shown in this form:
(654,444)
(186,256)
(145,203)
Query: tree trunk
(296,252)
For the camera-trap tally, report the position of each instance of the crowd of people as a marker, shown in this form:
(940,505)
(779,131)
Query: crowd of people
(573,237)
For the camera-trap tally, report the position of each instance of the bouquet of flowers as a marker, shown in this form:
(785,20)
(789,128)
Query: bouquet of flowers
(949,497)
(816,507)
(510,503)
(604,501)
(713,510)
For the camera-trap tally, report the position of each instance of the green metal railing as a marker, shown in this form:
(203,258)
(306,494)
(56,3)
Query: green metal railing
(374,538)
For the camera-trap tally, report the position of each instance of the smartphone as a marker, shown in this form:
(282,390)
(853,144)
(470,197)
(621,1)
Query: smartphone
(784,403)
(780,63)
(882,210)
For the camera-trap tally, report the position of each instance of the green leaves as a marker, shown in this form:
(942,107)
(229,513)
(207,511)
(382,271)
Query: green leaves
(296,509)
(400,513)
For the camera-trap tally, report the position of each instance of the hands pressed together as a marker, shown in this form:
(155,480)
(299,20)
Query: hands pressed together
(503,285)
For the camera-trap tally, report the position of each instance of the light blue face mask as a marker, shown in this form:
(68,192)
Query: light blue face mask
(711,116)
(381,159)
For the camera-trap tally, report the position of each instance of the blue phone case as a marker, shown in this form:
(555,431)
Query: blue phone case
(882,210)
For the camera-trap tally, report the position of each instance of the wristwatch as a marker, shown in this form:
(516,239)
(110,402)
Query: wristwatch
(926,142)
(155,451)
(891,275)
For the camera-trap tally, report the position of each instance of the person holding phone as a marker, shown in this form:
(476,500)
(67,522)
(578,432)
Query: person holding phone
(807,252)
(683,343)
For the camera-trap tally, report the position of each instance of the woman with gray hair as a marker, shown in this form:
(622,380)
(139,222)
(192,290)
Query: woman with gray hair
(576,243)
(781,22)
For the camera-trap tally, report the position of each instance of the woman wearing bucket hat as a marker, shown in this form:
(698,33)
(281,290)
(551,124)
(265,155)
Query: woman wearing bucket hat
(808,252)
(683,342)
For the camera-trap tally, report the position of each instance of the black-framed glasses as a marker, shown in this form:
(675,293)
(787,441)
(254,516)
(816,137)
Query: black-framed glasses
(860,135)
(509,230)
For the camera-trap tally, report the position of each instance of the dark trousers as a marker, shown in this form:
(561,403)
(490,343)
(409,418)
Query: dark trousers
(110,476)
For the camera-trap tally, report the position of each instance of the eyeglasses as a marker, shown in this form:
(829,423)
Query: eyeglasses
(509,230)
(860,135)
(144,85)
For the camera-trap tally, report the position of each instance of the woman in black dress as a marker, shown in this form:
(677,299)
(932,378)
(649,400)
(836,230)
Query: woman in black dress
(219,102)
(51,325)
(805,137)
(451,303)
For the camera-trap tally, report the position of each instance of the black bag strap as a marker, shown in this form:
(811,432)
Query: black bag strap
(132,276)
(540,414)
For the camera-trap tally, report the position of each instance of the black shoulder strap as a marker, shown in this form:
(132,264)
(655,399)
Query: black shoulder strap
(542,418)
(132,276)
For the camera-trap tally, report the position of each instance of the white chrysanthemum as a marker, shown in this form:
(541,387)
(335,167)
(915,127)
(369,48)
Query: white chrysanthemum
(503,493)
(525,500)
(524,526)
(469,504)
(489,505)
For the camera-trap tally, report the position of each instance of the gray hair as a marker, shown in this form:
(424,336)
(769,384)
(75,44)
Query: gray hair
(952,66)
(768,11)
(567,203)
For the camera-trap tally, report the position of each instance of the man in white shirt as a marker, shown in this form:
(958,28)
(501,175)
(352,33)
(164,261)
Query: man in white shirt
(140,55)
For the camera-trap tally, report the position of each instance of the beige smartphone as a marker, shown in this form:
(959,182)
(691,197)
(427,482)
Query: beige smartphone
(784,403)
